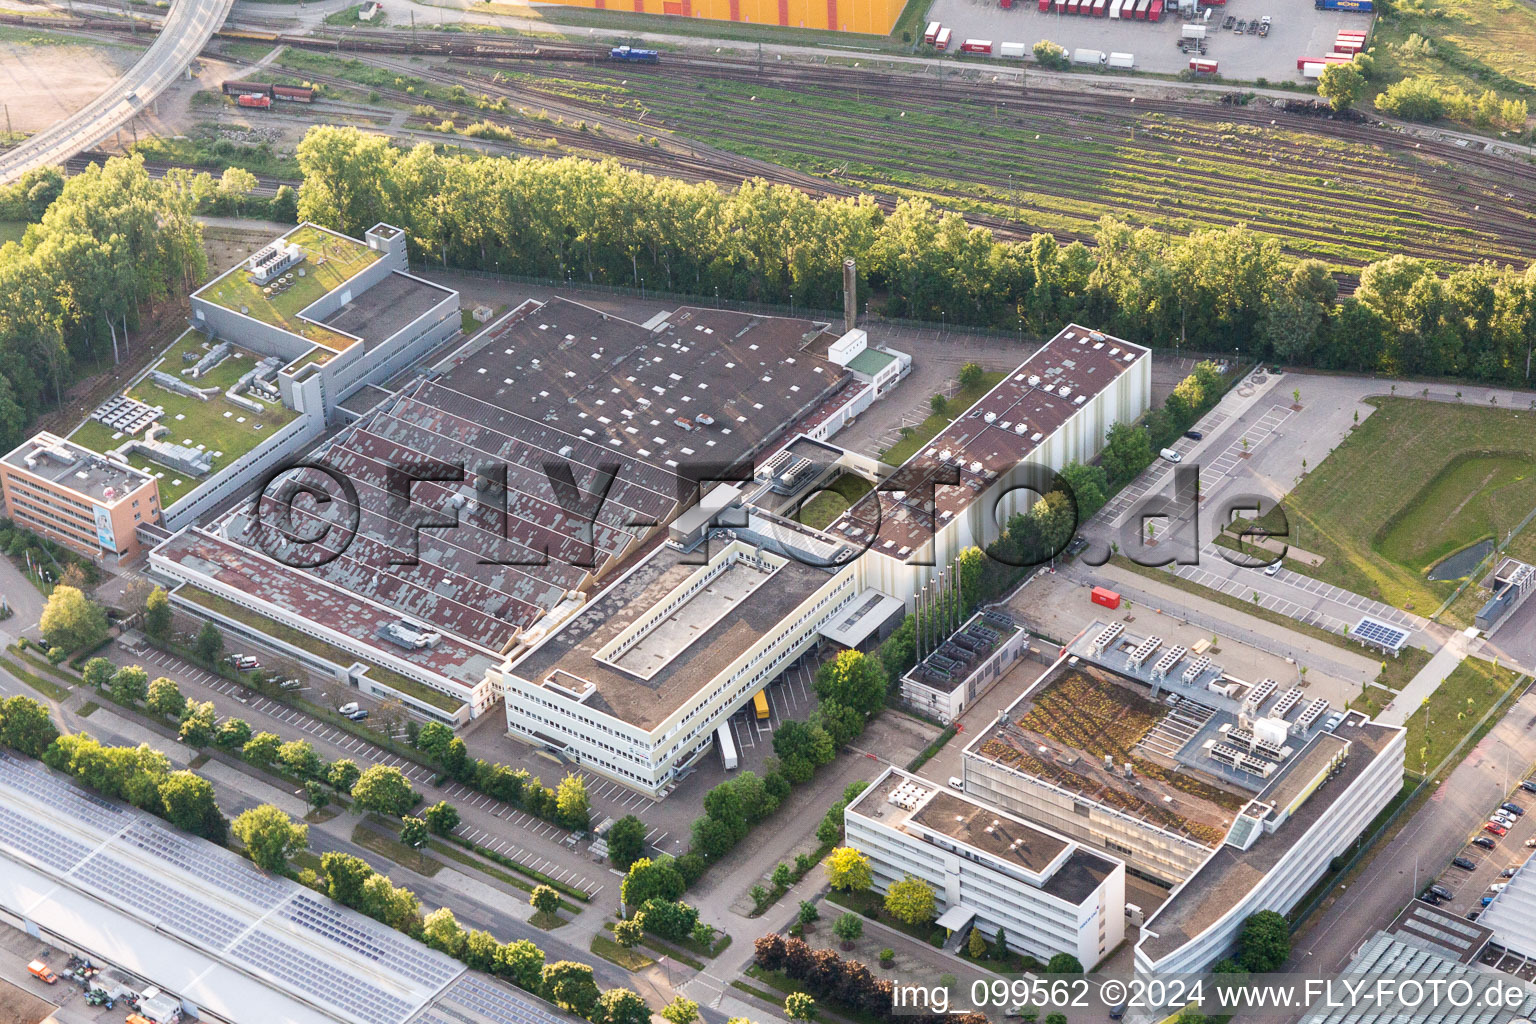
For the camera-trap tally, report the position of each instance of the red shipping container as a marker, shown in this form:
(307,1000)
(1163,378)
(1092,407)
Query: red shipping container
(1155,12)
(1106,597)
(1100,8)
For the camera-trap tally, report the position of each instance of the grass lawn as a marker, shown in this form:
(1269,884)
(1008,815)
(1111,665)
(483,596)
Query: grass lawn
(349,16)
(916,437)
(629,959)
(395,850)
(1454,709)
(834,500)
(1472,45)
(859,903)
(332,261)
(1415,482)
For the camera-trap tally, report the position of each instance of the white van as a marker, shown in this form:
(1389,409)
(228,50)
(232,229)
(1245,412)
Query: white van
(1170,455)
(956,782)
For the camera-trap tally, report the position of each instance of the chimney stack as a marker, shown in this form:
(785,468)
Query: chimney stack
(850,296)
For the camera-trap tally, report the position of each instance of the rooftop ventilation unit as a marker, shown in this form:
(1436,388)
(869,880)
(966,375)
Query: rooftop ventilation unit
(1196,667)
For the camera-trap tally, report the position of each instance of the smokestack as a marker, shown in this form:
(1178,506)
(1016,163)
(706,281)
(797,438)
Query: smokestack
(850,295)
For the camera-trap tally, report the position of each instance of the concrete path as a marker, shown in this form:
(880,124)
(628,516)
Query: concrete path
(1423,685)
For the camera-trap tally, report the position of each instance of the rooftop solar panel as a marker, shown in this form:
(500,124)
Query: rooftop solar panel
(232,876)
(386,947)
(38,841)
(172,909)
(319,980)
(1380,634)
(57,795)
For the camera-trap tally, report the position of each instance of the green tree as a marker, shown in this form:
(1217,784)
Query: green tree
(1051,55)
(441,930)
(197,724)
(189,803)
(573,807)
(384,790)
(681,1011)
(209,644)
(1413,99)
(799,1006)
(621,1006)
(300,759)
(165,699)
(628,933)
(976,945)
(261,749)
(1063,963)
(848,927)
(1341,85)
(648,879)
(853,679)
(971,376)
(1264,943)
(626,841)
(1127,451)
(270,836)
(343,774)
(807,913)
(129,685)
(26,726)
(232,734)
(433,740)
(1089,486)
(345,876)
(848,870)
(544,899)
(157,614)
(97,673)
(442,818)
(414,833)
(316,796)
(570,986)
(71,621)
(911,900)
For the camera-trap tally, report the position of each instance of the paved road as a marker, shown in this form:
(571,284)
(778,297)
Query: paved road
(187,29)
(1425,846)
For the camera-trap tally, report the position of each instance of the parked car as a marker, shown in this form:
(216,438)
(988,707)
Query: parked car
(359,715)
(1431,899)
(1485,842)
(1514,809)
(1441,891)
(1170,455)
(1498,887)
(1472,915)
(1508,873)
(348,708)
(1530,844)
(1486,900)
(1529,785)
(1503,818)
(1495,828)
(290,684)
(1465,863)
(1194,435)
(1272,568)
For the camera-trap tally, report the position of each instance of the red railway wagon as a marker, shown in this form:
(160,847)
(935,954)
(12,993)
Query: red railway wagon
(258,102)
(1106,597)
(294,93)
(982,46)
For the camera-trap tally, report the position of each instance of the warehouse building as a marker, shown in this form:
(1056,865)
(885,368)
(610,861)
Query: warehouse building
(1232,794)
(231,943)
(80,498)
(989,869)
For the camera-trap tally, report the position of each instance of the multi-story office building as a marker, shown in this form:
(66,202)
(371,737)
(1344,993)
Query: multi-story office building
(990,869)
(80,498)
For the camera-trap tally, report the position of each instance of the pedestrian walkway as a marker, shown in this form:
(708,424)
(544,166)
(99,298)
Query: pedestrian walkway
(1423,685)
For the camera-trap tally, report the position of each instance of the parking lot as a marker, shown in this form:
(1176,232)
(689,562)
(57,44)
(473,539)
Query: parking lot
(1469,887)
(1296,31)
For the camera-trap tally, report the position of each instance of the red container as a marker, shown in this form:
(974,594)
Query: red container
(976,46)
(1155,12)
(1106,597)
(259,102)
(1201,66)
(1100,8)
(941,41)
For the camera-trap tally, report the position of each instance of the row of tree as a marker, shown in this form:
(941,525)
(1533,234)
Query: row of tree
(143,777)
(847,983)
(568,805)
(105,244)
(1217,290)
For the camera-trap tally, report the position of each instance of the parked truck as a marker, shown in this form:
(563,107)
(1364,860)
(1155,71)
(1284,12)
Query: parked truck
(727,746)
(1361,6)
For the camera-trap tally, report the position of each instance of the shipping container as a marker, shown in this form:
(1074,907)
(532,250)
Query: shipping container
(976,46)
(1125,61)
(1349,33)
(1100,8)
(1193,32)
(1350,46)
(932,32)
(760,704)
(1005,4)
(1155,12)
(247,89)
(941,41)
(1142,7)
(1338,58)
(259,102)
(294,93)
(1106,597)
(1202,66)
(1345,5)
(1012,49)
(1313,69)
(1085,56)
(1114,7)
(1045,6)
(727,746)
(1073,6)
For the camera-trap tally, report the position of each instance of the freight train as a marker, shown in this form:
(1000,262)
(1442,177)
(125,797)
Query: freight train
(292,93)
(634,56)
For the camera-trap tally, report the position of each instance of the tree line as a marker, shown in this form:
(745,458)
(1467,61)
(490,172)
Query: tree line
(1221,290)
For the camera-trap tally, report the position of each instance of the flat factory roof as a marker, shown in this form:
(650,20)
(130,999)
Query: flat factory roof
(927,808)
(558,444)
(376,314)
(66,464)
(681,654)
(1000,431)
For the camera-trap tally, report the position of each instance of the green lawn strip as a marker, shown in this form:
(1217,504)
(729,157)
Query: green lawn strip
(330,652)
(661,947)
(862,902)
(933,748)
(784,986)
(538,877)
(87,709)
(1414,482)
(12,230)
(369,839)
(1450,712)
(43,665)
(629,959)
(43,686)
(918,436)
(834,500)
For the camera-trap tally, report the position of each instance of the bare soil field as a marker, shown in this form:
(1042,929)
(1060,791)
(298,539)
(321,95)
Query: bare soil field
(44,83)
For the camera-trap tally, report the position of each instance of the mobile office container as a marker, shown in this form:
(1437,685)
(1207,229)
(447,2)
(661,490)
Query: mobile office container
(941,41)
(1115,7)
(932,32)
(983,46)
(258,102)
(1364,6)
(1313,69)
(1193,32)
(727,746)
(294,93)
(1011,49)
(760,704)
(1202,66)
(1124,61)
(1106,597)
(1155,12)
(1087,57)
